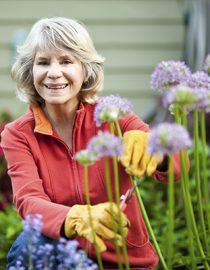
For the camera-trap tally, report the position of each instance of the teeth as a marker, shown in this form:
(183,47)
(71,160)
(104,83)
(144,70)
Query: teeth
(56,87)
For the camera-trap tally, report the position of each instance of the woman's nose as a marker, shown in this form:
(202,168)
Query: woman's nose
(54,71)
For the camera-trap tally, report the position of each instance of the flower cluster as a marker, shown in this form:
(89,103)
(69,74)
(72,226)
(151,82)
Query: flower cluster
(181,95)
(111,108)
(168,138)
(105,145)
(200,79)
(168,74)
(85,157)
(62,254)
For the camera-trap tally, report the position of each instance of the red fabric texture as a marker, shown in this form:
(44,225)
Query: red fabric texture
(47,180)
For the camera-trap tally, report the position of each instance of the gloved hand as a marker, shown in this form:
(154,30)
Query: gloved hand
(135,157)
(104,217)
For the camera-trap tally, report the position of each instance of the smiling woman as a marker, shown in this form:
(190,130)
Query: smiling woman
(59,73)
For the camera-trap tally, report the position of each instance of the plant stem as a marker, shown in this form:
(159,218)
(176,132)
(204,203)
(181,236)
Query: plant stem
(110,198)
(147,222)
(87,195)
(188,204)
(204,164)
(198,182)
(188,219)
(170,212)
(185,188)
(134,181)
(117,192)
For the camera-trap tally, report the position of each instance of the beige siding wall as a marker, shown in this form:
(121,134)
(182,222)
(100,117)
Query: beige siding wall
(133,35)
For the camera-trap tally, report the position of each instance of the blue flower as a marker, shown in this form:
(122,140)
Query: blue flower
(64,255)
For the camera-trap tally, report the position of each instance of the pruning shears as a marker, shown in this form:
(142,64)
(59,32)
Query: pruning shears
(125,198)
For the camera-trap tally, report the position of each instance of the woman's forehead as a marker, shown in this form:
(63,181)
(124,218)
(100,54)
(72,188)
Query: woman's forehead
(48,52)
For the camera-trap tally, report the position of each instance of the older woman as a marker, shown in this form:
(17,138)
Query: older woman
(58,72)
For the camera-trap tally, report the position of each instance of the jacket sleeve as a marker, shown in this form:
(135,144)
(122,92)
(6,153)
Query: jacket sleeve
(28,192)
(133,122)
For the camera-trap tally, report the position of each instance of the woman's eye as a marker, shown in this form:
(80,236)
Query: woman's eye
(43,63)
(66,62)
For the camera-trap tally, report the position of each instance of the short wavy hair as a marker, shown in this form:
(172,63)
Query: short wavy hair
(58,33)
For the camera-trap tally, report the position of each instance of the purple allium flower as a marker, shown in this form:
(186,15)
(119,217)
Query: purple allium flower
(180,95)
(85,157)
(203,102)
(168,138)
(206,66)
(105,145)
(111,108)
(200,79)
(168,74)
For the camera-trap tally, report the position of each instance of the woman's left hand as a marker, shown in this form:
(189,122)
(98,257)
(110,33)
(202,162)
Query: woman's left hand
(135,157)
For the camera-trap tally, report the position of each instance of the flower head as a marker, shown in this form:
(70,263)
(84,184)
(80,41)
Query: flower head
(64,254)
(200,79)
(206,66)
(111,108)
(105,145)
(168,138)
(168,74)
(71,257)
(180,95)
(85,157)
(203,100)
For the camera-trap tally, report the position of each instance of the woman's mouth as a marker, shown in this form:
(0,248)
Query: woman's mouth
(56,86)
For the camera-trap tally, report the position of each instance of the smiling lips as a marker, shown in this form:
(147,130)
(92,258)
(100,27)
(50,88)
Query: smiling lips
(56,86)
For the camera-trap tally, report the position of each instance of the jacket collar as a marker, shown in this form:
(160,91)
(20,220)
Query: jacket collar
(42,124)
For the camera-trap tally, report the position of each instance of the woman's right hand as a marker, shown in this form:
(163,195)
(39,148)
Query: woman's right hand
(104,220)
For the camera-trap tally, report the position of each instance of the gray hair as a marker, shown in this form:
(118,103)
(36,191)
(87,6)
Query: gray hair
(60,34)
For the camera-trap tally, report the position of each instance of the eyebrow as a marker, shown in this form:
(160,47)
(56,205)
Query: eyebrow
(60,57)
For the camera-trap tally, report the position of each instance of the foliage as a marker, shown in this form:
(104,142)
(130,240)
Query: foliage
(10,227)
(5,183)
(156,207)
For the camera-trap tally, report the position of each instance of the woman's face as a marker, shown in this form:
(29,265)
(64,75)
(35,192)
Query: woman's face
(58,76)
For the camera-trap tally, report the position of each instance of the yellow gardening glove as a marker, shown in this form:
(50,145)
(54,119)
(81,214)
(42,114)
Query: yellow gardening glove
(135,157)
(104,217)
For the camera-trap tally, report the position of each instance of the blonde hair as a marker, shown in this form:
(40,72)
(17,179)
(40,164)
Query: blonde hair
(60,34)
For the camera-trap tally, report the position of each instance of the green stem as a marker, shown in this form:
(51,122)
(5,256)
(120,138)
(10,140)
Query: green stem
(170,213)
(87,195)
(185,186)
(147,222)
(110,199)
(117,191)
(190,212)
(198,182)
(204,164)
(134,181)
(187,216)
